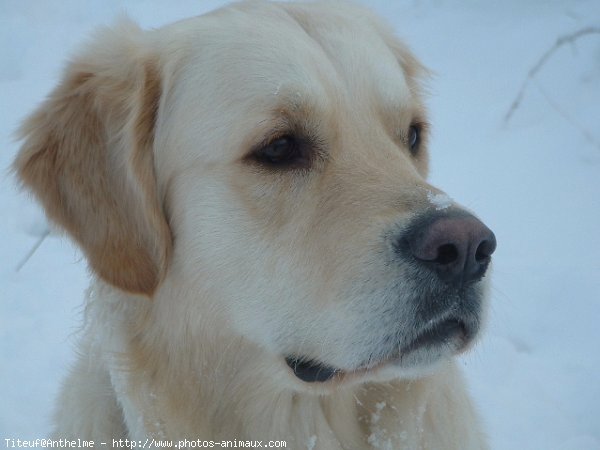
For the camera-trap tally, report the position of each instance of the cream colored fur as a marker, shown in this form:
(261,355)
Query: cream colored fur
(210,268)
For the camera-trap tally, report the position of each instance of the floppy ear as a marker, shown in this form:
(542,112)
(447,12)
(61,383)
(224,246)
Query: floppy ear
(88,158)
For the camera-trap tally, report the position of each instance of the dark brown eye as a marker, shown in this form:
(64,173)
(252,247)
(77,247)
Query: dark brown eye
(281,151)
(414,139)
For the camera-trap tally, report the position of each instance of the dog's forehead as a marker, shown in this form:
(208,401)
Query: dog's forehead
(320,50)
(354,42)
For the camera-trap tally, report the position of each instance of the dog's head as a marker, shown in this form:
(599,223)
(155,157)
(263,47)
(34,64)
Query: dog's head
(269,160)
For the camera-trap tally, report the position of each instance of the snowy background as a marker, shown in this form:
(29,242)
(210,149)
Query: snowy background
(534,180)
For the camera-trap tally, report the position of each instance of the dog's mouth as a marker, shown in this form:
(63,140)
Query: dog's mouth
(450,332)
(311,371)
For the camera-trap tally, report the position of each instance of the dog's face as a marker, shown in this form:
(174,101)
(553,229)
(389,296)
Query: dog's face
(290,162)
(298,175)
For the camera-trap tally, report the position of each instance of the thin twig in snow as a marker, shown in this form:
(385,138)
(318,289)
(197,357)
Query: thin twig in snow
(562,40)
(33,249)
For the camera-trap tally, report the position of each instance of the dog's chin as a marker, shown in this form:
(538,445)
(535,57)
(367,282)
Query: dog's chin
(419,357)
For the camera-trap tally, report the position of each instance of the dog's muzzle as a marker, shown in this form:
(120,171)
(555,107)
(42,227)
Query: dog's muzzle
(448,253)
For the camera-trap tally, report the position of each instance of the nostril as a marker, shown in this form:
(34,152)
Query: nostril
(485,248)
(447,254)
(484,252)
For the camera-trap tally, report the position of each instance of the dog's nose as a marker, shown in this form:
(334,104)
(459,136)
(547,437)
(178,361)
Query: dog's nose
(457,246)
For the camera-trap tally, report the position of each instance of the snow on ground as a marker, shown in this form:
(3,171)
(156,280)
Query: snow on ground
(535,180)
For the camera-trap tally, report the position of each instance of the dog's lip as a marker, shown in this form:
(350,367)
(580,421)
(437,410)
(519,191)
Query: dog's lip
(445,331)
(449,331)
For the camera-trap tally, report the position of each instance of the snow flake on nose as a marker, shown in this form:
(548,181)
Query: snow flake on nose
(441,201)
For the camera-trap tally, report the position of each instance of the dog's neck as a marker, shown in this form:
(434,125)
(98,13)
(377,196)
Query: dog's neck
(227,395)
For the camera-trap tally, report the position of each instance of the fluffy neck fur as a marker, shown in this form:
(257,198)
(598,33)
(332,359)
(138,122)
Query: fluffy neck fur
(185,389)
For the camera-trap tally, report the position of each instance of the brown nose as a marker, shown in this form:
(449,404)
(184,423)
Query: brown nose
(456,245)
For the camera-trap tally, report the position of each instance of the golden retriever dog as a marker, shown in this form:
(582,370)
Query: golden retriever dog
(270,265)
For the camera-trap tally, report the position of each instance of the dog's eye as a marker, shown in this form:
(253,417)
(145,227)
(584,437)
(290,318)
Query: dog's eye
(414,138)
(281,151)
